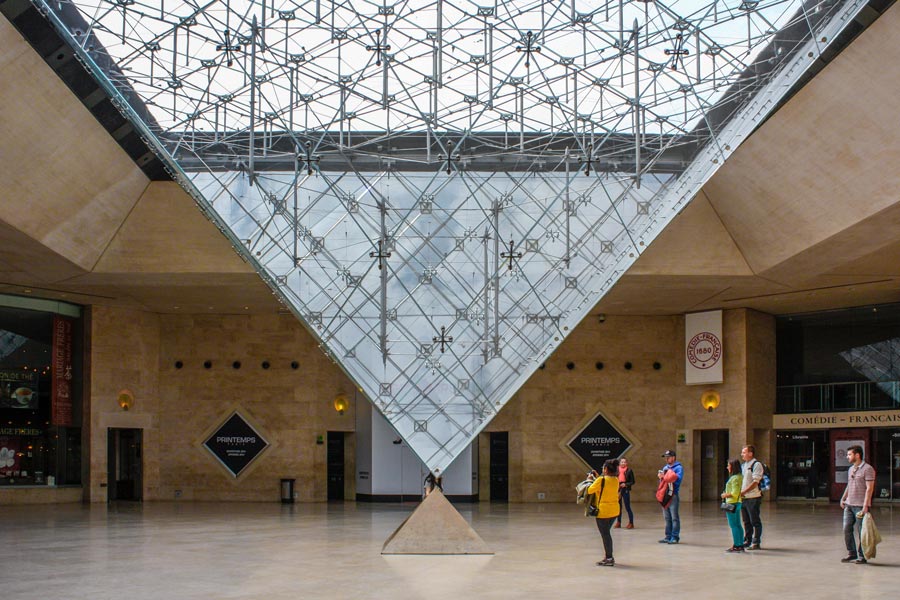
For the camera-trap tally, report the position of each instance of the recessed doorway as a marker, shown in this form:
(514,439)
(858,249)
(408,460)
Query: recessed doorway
(335,465)
(713,458)
(499,466)
(125,465)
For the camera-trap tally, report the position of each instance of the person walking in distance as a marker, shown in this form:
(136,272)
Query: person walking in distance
(626,480)
(751,498)
(856,502)
(672,473)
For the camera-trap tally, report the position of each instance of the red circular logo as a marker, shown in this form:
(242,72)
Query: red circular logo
(704,350)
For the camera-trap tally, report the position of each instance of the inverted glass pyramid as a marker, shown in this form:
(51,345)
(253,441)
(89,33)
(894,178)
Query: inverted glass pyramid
(441,190)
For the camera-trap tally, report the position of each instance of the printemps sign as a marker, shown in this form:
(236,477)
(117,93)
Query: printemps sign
(598,442)
(235,444)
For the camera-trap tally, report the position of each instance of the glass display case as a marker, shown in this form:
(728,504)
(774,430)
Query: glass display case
(802,470)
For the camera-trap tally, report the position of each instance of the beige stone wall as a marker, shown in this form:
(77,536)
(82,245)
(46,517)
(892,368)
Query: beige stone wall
(289,408)
(761,388)
(179,408)
(652,405)
(39,495)
(124,354)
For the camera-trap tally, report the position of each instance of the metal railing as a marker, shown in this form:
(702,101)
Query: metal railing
(837,397)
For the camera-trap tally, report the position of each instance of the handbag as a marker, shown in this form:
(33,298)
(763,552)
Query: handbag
(594,509)
(728,507)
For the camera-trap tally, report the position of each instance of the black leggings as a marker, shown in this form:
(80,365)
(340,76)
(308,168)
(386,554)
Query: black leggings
(605,525)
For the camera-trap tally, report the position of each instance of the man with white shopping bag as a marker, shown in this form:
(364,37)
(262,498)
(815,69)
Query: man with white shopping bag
(856,502)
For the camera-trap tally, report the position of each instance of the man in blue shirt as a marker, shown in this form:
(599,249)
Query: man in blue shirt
(672,473)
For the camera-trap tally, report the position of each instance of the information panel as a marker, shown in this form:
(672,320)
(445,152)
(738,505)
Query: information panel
(235,444)
(598,442)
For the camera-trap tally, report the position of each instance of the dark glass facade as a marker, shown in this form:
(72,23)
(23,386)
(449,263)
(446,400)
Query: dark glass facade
(832,362)
(843,360)
(40,432)
(850,345)
(802,467)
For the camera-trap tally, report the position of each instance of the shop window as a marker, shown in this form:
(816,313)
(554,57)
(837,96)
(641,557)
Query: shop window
(885,457)
(40,402)
(801,472)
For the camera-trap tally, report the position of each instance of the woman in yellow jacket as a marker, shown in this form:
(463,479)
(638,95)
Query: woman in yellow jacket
(607,490)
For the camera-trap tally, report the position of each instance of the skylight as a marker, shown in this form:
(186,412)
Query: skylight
(442,190)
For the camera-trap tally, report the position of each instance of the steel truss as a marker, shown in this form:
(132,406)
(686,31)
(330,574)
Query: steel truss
(442,190)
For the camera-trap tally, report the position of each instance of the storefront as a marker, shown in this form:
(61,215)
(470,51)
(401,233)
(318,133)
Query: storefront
(801,474)
(40,393)
(812,448)
(838,385)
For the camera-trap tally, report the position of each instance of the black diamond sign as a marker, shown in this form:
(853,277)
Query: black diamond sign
(598,442)
(235,444)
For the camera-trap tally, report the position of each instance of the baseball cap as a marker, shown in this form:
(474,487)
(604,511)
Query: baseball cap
(669,453)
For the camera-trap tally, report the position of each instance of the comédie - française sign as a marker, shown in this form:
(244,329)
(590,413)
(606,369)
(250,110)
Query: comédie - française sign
(235,444)
(834,420)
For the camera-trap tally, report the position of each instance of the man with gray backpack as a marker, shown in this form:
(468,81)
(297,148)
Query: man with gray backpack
(755,482)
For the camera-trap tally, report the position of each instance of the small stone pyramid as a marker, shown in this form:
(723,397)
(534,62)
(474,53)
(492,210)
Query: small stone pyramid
(435,527)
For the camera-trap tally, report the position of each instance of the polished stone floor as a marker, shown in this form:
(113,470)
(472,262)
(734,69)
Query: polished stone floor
(270,551)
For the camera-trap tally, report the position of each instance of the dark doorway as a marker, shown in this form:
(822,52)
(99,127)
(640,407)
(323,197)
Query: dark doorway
(713,458)
(125,466)
(335,465)
(499,466)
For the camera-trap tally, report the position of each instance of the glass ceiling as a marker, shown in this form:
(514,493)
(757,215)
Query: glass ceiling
(441,190)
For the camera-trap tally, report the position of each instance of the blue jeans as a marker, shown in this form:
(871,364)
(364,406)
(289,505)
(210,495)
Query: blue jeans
(851,523)
(673,521)
(625,499)
(737,530)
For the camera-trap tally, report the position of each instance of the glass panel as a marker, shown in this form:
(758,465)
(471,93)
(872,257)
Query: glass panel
(884,394)
(29,442)
(880,458)
(801,473)
(811,398)
(849,345)
(844,396)
(441,190)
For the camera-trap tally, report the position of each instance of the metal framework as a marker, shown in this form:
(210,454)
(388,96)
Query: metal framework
(441,190)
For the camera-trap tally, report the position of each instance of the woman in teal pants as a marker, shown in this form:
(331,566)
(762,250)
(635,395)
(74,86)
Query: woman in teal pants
(732,495)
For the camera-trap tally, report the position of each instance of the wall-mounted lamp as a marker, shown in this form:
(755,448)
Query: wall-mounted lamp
(341,403)
(710,400)
(126,400)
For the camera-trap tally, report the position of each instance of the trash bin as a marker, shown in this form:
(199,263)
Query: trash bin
(287,491)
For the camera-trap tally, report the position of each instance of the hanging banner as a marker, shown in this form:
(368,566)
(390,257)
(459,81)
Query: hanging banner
(61,369)
(703,348)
